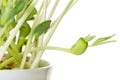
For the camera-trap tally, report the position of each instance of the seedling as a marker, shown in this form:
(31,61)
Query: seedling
(18,38)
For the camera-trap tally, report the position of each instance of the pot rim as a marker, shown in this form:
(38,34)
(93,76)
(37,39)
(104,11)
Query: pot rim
(40,68)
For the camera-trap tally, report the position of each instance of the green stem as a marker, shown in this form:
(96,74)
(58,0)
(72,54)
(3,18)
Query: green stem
(45,9)
(13,54)
(13,45)
(16,29)
(13,51)
(53,9)
(40,39)
(36,60)
(38,57)
(5,63)
(50,48)
(3,30)
(56,23)
(57,48)
(38,16)
(37,20)
(74,2)
(20,43)
(26,51)
(0,4)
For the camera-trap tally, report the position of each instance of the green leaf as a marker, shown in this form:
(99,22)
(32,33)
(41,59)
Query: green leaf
(89,38)
(1,42)
(79,47)
(25,30)
(41,28)
(19,5)
(11,26)
(103,40)
(20,43)
(31,16)
(7,15)
(27,3)
(103,43)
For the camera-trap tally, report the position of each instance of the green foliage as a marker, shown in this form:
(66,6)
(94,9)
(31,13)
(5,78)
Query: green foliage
(41,28)
(25,30)
(14,19)
(89,38)
(18,6)
(7,15)
(31,16)
(103,40)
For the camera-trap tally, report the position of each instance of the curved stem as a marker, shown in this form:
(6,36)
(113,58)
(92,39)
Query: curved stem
(50,48)
(57,48)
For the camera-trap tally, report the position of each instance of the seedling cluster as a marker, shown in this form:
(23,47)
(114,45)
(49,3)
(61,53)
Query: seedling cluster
(18,38)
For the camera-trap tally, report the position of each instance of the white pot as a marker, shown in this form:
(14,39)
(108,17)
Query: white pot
(27,74)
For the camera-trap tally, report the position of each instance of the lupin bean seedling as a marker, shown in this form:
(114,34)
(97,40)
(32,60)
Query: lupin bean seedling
(18,38)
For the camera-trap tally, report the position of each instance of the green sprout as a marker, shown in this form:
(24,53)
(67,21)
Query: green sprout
(18,38)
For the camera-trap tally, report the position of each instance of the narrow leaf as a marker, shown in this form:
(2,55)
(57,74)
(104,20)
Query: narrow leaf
(103,43)
(102,40)
(89,38)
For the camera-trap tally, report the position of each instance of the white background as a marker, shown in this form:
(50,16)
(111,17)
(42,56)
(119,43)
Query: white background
(96,17)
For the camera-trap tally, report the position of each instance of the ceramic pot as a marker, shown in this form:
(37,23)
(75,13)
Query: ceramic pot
(42,73)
